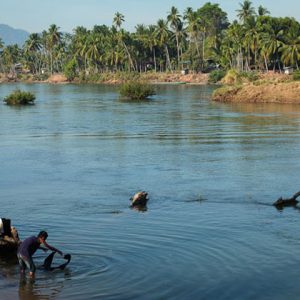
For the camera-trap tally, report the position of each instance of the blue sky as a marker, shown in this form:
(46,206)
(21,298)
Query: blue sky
(37,15)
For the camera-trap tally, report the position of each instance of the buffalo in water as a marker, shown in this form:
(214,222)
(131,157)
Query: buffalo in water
(281,203)
(139,200)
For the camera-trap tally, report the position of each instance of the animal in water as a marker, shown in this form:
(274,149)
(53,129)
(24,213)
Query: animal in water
(48,262)
(280,203)
(139,199)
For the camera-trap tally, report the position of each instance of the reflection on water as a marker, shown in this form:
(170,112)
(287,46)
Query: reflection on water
(70,164)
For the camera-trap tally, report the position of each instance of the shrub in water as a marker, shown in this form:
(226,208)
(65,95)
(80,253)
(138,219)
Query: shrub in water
(18,97)
(136,90)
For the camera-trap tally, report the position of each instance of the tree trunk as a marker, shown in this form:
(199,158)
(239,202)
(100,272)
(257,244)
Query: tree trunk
(266,63)
(154,58)
(168,58)
(129,56)
(177,45)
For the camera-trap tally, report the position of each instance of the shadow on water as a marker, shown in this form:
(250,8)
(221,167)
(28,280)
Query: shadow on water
(31,289)
(135,101)
(8,265)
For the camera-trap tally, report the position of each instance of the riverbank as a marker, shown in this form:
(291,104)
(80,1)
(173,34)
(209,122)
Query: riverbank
(113,78)
(268,88)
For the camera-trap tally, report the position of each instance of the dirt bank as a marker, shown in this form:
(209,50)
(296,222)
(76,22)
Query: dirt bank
(57,78)
(268,89)
(116,78)
(193,78)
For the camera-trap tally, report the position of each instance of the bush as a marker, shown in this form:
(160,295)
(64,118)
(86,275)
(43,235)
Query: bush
(70,69)
(249,76)
(216,75)
(231,77)
(235,77)
(40,77)
(296,75)
(19,97)
(136,90)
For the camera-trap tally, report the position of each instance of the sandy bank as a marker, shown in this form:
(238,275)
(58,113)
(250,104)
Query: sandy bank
(57,78)
(193,78)
(268,89)
(287,92)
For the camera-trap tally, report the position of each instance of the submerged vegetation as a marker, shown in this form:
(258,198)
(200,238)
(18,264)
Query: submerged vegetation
(200,40)
(19,97)
(136,90)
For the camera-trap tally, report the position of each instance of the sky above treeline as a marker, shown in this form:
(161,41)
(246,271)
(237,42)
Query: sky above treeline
(38,15)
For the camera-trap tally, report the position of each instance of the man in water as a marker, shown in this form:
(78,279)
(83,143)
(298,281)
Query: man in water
(28,247)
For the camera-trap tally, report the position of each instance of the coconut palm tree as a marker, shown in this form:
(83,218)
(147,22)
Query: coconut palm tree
(150,41)
(79,46)
(188,11)
(174,19)
(114,52)
(291,47)
(246,10)
(162,34)
(232,45)
(33,43)
(32,47)
(271,42)
(182,38)
(118,20)
(1,47)
(251,41)
(193,28)
(53,37)
(10,56)
(262,11)
(93,51)
(121,34)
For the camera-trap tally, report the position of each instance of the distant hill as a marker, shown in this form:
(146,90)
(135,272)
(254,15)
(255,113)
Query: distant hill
(12,36)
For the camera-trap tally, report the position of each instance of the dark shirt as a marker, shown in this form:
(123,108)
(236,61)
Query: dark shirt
(29,246)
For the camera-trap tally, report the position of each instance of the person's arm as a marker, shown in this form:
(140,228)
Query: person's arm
(52,248)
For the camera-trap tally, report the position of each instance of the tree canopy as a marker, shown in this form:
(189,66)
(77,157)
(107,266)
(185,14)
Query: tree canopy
(204,38)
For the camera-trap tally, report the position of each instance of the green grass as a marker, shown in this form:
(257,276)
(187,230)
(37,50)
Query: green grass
(216,75)
(19,97)
(296,75)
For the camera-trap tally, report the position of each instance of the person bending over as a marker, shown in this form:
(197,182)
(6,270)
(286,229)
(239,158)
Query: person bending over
(28,247)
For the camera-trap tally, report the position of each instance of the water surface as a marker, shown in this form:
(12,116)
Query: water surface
(70,163)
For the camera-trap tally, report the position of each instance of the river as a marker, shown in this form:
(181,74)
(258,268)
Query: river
(70,163)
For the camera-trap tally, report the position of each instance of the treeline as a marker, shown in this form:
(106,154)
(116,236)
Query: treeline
(201,40)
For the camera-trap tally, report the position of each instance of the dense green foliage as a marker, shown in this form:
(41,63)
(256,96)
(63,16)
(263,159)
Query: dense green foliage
(216,75)
(296,75)
(70,69)
(200,39)
(19,97)
(136,90)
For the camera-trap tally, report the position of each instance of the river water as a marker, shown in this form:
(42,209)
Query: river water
(70,163)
